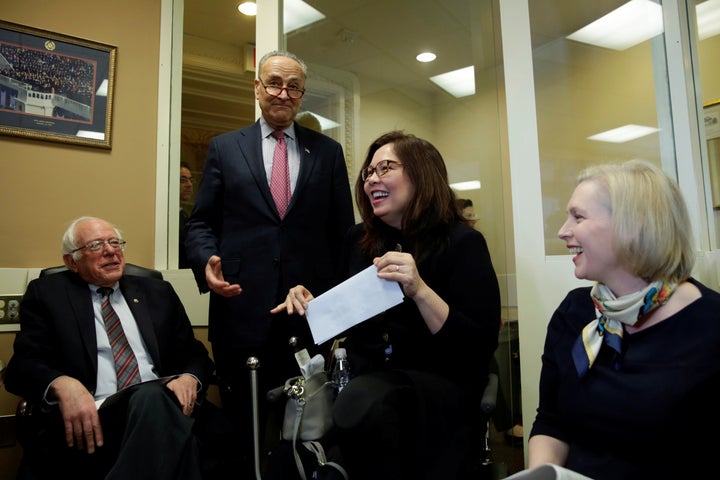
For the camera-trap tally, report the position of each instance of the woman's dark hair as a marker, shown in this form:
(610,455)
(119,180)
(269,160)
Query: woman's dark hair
(429,213)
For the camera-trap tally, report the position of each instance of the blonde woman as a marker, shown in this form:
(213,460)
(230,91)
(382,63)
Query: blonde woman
(631,365)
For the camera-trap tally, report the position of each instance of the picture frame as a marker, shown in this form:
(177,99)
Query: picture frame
(711,116)
(55,87)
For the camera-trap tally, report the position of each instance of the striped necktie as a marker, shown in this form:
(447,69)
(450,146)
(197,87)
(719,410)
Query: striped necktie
(126,365)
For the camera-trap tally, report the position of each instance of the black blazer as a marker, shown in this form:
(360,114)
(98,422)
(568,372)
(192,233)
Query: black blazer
(57,333)
(234,217)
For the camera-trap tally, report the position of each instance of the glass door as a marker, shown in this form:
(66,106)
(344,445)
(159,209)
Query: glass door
(573,101)
(365,78)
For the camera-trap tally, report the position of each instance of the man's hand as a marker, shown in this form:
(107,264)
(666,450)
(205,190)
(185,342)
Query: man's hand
(296,301)
(216,280)
(185,389)
(79,414)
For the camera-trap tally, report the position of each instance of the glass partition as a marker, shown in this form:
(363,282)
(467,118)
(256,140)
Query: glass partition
(365,79)
(599,97)
(602,95)
(217,88)
(708,33)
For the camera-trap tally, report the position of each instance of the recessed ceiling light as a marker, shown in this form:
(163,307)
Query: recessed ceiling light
(248,8)
(470,185)
(623,134)
(426,57)
(458,83)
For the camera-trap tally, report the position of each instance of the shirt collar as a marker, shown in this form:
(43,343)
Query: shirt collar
(266,130)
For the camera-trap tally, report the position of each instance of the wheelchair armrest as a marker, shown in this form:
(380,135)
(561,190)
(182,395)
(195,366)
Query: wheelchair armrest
(23,409)
(489,398)
(29,423)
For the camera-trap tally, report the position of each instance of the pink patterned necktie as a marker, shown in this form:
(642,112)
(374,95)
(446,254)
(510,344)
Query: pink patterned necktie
(126,365)
(280,177)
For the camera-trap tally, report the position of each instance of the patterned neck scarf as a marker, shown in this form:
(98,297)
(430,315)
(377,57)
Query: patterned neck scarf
(612,313)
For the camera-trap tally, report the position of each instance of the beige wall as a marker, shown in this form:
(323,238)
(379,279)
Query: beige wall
(47,184)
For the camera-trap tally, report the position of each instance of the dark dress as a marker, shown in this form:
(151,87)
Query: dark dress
(407,413)
(656,417)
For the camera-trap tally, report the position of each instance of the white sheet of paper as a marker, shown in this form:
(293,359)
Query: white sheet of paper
(547,472)
(355,300)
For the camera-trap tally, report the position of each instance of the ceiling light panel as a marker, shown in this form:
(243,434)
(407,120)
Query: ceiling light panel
(463,186)
(626,26)
(458,83)
(708,19)
(298,14)
(325,123)
(623,134)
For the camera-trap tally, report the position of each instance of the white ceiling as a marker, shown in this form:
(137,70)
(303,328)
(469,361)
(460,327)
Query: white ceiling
(356,36)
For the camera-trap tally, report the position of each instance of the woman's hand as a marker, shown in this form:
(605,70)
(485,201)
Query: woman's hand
(400,267)
(296,301)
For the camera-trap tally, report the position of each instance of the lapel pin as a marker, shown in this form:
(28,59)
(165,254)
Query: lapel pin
(307,150)
(135,300)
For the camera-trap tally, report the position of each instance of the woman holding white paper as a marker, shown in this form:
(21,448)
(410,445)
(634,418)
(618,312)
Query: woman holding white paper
(421,366)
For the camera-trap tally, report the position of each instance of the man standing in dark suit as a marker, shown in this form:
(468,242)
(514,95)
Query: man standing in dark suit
(249,250)
(66,360)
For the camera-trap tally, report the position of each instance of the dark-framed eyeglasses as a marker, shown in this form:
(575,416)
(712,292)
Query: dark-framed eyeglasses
(381,168)
(98,245)
(187,180)
(275,91)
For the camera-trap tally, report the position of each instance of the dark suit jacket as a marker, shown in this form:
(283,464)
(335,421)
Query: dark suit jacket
(57,333)
(234,217)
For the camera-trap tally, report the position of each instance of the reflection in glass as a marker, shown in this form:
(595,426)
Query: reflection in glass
(364,76)
(708,47)
(584,89)
(217,87)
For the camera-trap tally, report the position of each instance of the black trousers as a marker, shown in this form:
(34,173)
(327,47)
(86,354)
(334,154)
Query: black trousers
(400,424)
(146,436)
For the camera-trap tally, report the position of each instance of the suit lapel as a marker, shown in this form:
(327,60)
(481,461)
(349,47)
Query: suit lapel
(137,302)
(308,160)
(250,145)
(81,306)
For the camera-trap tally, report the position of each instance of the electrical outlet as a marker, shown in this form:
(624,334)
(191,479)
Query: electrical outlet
(10,308)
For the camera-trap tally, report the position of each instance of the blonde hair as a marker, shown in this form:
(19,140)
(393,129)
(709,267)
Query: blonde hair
(653,234)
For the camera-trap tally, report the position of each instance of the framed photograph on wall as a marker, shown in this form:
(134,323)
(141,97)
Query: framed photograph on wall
(711,114)
(55,87)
